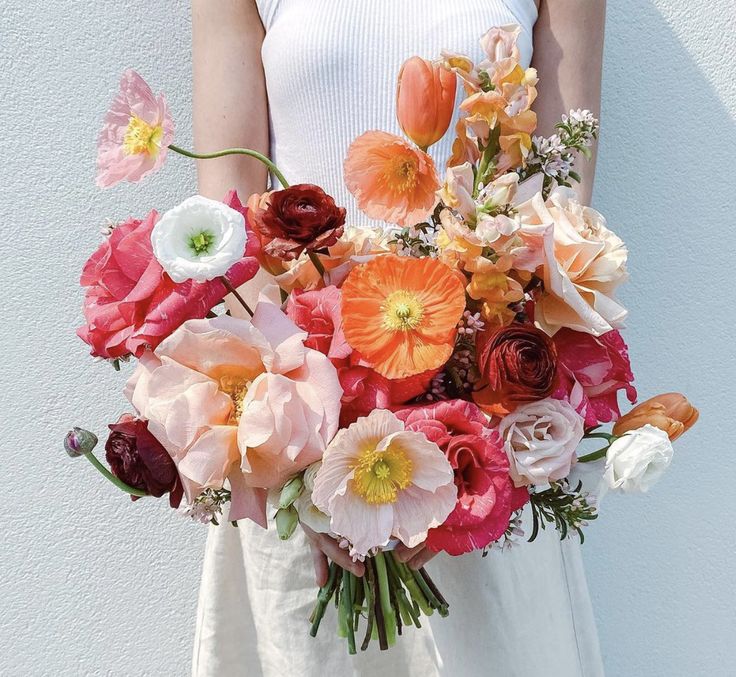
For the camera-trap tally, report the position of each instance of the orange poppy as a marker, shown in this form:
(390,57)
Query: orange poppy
(401,313)
(391,180)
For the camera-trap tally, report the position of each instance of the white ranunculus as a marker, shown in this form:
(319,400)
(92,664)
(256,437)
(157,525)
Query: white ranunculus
(199,240)
(637,459)
(541,439)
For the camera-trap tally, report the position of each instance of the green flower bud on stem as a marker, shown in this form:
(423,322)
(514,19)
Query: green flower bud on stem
(291,491)
(79,442)
(286,521)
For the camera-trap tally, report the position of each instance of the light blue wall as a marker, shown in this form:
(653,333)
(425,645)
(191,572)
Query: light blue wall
(93,586)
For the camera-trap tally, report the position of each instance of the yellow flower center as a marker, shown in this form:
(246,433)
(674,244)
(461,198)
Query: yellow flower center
(401,174)
(379,475)
(402,311)
(237,389)
(140,137)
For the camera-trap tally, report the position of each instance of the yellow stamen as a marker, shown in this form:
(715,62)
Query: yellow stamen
(402,311)
(237,389)
(379,475)
(142,138)
(402,174)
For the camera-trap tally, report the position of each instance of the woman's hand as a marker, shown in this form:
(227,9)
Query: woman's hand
(324,547)
(415,557)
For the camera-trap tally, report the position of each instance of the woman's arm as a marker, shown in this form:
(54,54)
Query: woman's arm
(230,105)
(568,54)
(231,109)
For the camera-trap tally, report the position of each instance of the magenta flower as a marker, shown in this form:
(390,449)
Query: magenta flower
(136,133)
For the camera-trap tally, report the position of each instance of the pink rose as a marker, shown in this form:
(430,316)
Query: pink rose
(486,496)
(590,372)
(131,304)
(318,313)
(365,390)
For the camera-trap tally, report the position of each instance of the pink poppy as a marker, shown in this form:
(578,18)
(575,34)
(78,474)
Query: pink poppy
(135,135)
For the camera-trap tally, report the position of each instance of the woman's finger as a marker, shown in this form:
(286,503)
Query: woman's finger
(341,557)
(404,554)
(420,559)
(321,572)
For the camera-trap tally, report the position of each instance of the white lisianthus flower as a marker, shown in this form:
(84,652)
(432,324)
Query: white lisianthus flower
(637,459)
(541,439)
(199,240)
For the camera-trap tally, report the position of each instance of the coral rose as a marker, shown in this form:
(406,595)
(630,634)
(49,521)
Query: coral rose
(425,100)
(137,458)
(590,372)
(239,400)
(517,364)
(131,304)
(298,218)
(670,412)
(318,313)
(486,496)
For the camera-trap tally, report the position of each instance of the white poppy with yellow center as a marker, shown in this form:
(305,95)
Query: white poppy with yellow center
(379,481)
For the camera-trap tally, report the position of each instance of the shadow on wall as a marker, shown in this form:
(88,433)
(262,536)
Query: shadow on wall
(660,575)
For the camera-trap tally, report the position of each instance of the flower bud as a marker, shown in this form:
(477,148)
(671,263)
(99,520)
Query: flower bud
(79,442)
(286,521)
(425,100)
(670,412)
(291,491)
(637,459)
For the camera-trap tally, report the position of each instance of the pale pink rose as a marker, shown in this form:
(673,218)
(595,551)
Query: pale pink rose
(583,264)
(379,481)
(318,313)
(541,439)
(590,372)
(135,135)
(238,400)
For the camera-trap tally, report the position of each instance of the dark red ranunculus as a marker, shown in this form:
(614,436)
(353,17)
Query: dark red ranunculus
(297,218)
(486,495)
(137,458)
(518,364)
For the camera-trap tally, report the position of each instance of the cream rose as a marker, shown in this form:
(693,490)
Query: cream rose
(541,439)
(583,263)
(637,459)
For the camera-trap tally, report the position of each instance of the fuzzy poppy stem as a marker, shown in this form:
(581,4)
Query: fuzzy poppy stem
(234,151)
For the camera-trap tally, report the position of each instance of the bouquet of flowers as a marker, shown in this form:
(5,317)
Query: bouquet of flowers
(422,381)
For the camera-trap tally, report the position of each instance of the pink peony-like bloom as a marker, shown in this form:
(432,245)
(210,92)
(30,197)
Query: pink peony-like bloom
(486,495)
(318,313)
(364,390)
(590,372)
(379,481)
(239,400)
(135,135)
(131,304)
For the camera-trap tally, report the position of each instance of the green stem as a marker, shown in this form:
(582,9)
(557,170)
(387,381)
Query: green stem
(316,263)
(600,436)
(117,482)
(234,151)
(347,609)
(385,598)
(323,598)
(369,586)
(413,587)
(593,455)
(234,292)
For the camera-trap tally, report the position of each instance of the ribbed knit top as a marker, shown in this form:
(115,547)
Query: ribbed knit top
(331,68)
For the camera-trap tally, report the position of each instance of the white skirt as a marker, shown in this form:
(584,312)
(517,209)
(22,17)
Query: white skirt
(523,612)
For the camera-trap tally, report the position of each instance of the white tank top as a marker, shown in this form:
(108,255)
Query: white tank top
(331,68)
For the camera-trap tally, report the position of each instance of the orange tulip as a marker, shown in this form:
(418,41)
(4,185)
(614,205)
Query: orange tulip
(670,412)
(425,100)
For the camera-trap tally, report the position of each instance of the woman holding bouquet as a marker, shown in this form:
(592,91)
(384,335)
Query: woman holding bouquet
(298,80)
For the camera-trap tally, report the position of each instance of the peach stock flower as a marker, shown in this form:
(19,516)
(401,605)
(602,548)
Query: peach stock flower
(425,100)
(583,264)
(401,313)
(378,481)
(135,135)
(239,400)
(670,412)
(391,180)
